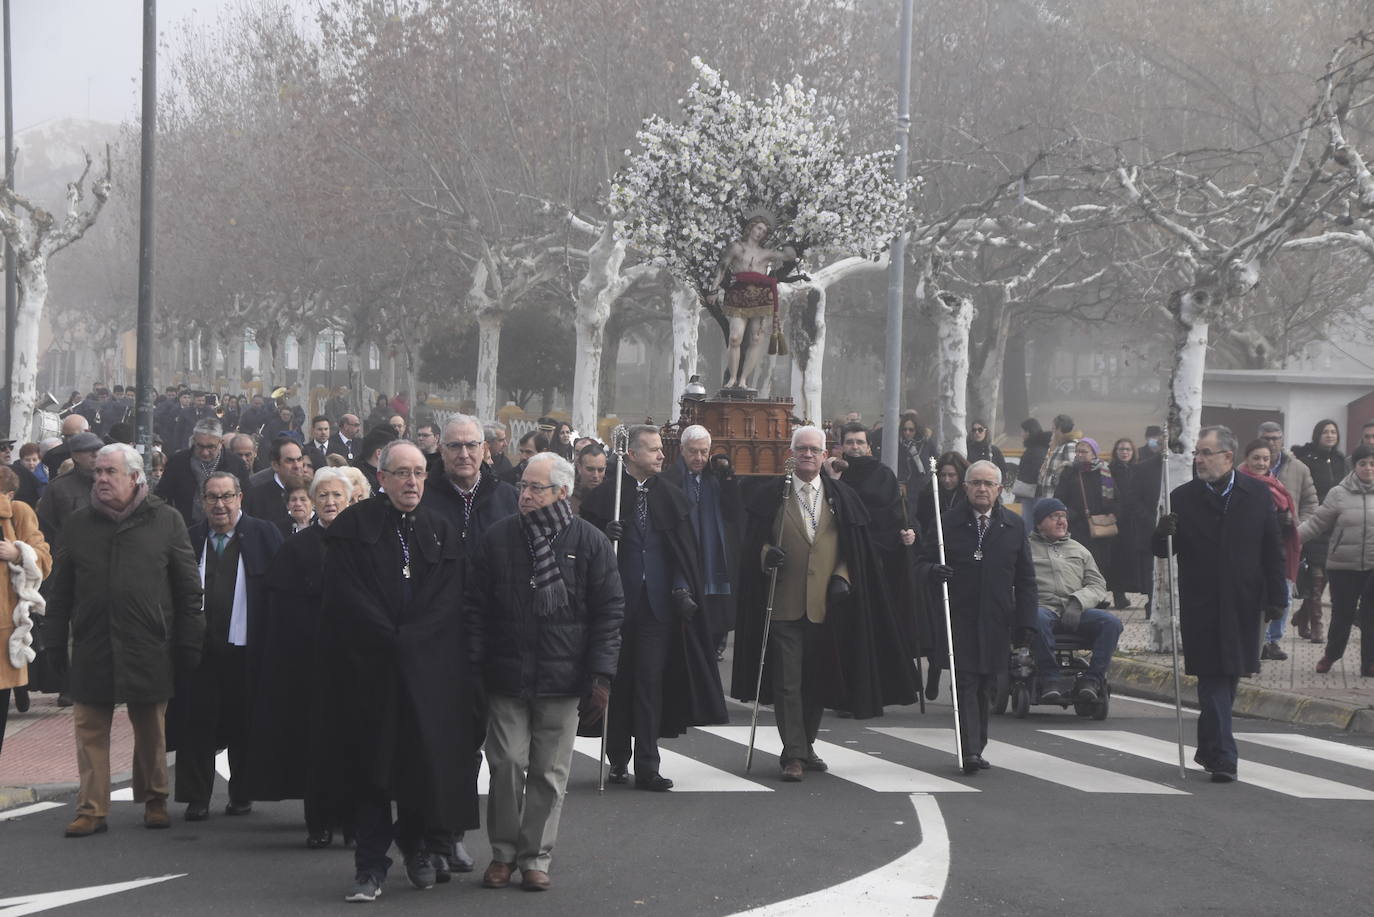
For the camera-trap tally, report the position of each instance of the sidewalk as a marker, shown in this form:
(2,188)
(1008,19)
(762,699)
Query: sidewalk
(1290,691)
(39,757)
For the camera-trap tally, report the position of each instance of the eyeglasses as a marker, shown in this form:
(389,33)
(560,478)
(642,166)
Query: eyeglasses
(471,446)
(1208,453)
(980,429)
(222,498)
(809,450)
(523,486)
(407,474)
(1273,436)
(983,483)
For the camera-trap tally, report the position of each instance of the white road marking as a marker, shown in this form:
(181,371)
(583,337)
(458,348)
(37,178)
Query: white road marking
(1038,764)
(32,904)
(1340,753)
(688,774)
(1290,783)
(222,765)
(1187,711)
(846,764)
(910,886)
(124,794)
(29,810)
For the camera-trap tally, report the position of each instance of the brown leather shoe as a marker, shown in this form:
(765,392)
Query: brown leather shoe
(155,814)
(792,772)
(534,880)
(497,875)
(1324,665)
(86,825)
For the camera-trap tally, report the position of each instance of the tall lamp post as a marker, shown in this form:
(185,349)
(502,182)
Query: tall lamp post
(892,400)
(11,282)
(143,372)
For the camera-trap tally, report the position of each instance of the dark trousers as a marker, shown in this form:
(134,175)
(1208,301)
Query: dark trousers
(796,704)
(1346,589)
(975,703)
(639,714)
(1216,746)
(216,717)
(412,831)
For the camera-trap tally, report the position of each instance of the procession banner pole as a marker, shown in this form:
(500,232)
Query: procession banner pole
(767,619)
(920,678)
(949,626)
(1173,611)
(620,444)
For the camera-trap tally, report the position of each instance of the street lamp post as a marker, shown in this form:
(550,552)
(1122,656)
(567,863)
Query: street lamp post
(892,396)
(11,282)
(143,373)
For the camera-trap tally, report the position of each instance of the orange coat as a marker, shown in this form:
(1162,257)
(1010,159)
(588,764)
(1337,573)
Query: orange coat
(18,522)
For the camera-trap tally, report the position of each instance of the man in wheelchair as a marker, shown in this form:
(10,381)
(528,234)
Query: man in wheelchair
(1070,586)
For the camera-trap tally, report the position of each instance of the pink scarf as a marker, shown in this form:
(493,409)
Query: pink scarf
(1283,501)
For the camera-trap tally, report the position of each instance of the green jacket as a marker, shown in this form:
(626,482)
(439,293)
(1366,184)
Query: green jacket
(1065,570)
(130,595)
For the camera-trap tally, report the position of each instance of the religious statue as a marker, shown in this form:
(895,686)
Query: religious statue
(747,291)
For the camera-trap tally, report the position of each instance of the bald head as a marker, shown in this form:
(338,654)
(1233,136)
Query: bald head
(73,424)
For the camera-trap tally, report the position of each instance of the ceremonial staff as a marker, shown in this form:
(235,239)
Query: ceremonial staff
(768,614)
(620,444)
(949,626)
(916,650)
(1172,576)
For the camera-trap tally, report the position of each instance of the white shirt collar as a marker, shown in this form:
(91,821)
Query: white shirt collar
(798,483)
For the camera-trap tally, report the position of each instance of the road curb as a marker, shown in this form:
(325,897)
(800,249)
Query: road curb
(1156,682)
(12,797)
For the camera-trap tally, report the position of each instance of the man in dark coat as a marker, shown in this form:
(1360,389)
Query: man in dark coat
(186,471)
(69,492)
(267,500)
(1230,573)
(544,609)
(708,481)
(404,706)
(345,440)
(832,641)
(992,596)
(369,454)
(235,551)
(467,494)
(498,439)
(126,591)
(183,422)
(317,446)
(668,678)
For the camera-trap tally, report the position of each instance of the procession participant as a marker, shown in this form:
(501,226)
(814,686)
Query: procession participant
(590,470)
(497,440)
(69,492)
(992,594)
(370,452)
(544,609)
(403,701)
(317,447)
(468,493)
(708,482)
(832,641)
(53,458)
(345,440)
(1230,573)
(267,500)
(667,679)
(234,551)
(186,472)
(297,497)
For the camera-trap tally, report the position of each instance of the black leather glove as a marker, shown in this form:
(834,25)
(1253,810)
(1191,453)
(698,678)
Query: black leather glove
(943,573)
(773,557)
(1167,525)
(684,604)
(592,707)
(615,530)
(837,592)
(720,464)
(1273,612)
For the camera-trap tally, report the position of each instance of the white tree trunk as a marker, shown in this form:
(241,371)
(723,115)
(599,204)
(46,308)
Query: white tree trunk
(235,360)
(597,291)
(953,319)
(307,342)
(1185,385)
(33,295)
(686,305)
(806,340)
(488,353)
(278,361)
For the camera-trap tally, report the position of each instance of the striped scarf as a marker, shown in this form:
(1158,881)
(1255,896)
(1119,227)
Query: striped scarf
(541,526)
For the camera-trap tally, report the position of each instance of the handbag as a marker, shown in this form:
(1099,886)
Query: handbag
(1023,489)
(1101,525)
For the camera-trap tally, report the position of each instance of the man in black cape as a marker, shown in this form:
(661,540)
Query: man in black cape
(854,656)
(404,705)
(667,680)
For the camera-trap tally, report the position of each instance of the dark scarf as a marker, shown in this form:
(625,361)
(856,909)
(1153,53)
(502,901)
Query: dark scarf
(541,526)
(119,515)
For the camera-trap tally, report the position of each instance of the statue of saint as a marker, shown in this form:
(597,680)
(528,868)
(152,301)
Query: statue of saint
(748,295)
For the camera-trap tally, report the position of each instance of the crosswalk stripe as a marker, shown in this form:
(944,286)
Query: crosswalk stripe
(1290,783)
(688,774)
(874,773)
(1037,764)
(1338,752)
(29,810)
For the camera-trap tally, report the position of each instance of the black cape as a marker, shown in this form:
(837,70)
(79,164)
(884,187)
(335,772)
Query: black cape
(868,665)
(692,692)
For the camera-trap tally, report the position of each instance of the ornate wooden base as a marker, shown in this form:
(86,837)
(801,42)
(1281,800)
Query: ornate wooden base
(755,433)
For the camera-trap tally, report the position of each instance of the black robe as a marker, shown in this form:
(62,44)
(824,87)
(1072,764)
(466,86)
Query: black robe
(403,720)
(720,608)
(867,665)
(692,693)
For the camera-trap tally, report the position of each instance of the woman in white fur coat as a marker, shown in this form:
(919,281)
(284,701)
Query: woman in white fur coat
(27,561)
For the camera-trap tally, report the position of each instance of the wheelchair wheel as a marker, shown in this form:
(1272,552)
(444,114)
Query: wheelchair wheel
(1083,708)
(1001,693)
(1020,701)
(1099,711)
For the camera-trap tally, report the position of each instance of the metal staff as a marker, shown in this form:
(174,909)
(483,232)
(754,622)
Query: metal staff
(1169,562)
(949,625)
(620,444)
(906,523)
(768,617)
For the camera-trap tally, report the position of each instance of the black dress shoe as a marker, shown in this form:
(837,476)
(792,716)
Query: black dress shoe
(971,765)
(982,762)
(656,783)
(620,774)
(196,812)
(814,762)
(238,808)
(933,682)
(318,840)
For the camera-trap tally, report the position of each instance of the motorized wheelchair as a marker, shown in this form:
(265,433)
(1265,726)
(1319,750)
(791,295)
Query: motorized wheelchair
(1019,688)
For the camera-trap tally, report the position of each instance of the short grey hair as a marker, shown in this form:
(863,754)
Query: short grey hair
(808,428)
(221,475)
(133,462)
(463,420)
(980,465)
(391,447)
(560,469)
(1269,426)
(494,431)
(333,474)
(207,426)
(1225,438)
(693,433)
(638,431)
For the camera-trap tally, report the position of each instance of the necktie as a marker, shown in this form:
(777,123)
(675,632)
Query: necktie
(809,502)
(696,488)
(221,540)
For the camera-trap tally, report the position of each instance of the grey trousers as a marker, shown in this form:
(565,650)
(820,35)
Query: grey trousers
(796,706)
(529,753)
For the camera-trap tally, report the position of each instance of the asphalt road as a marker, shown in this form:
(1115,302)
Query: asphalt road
(1098,826)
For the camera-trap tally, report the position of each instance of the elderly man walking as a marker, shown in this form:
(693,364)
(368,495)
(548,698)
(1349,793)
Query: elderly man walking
(187,470)
(127,590)
(1230,571)
(544,610)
